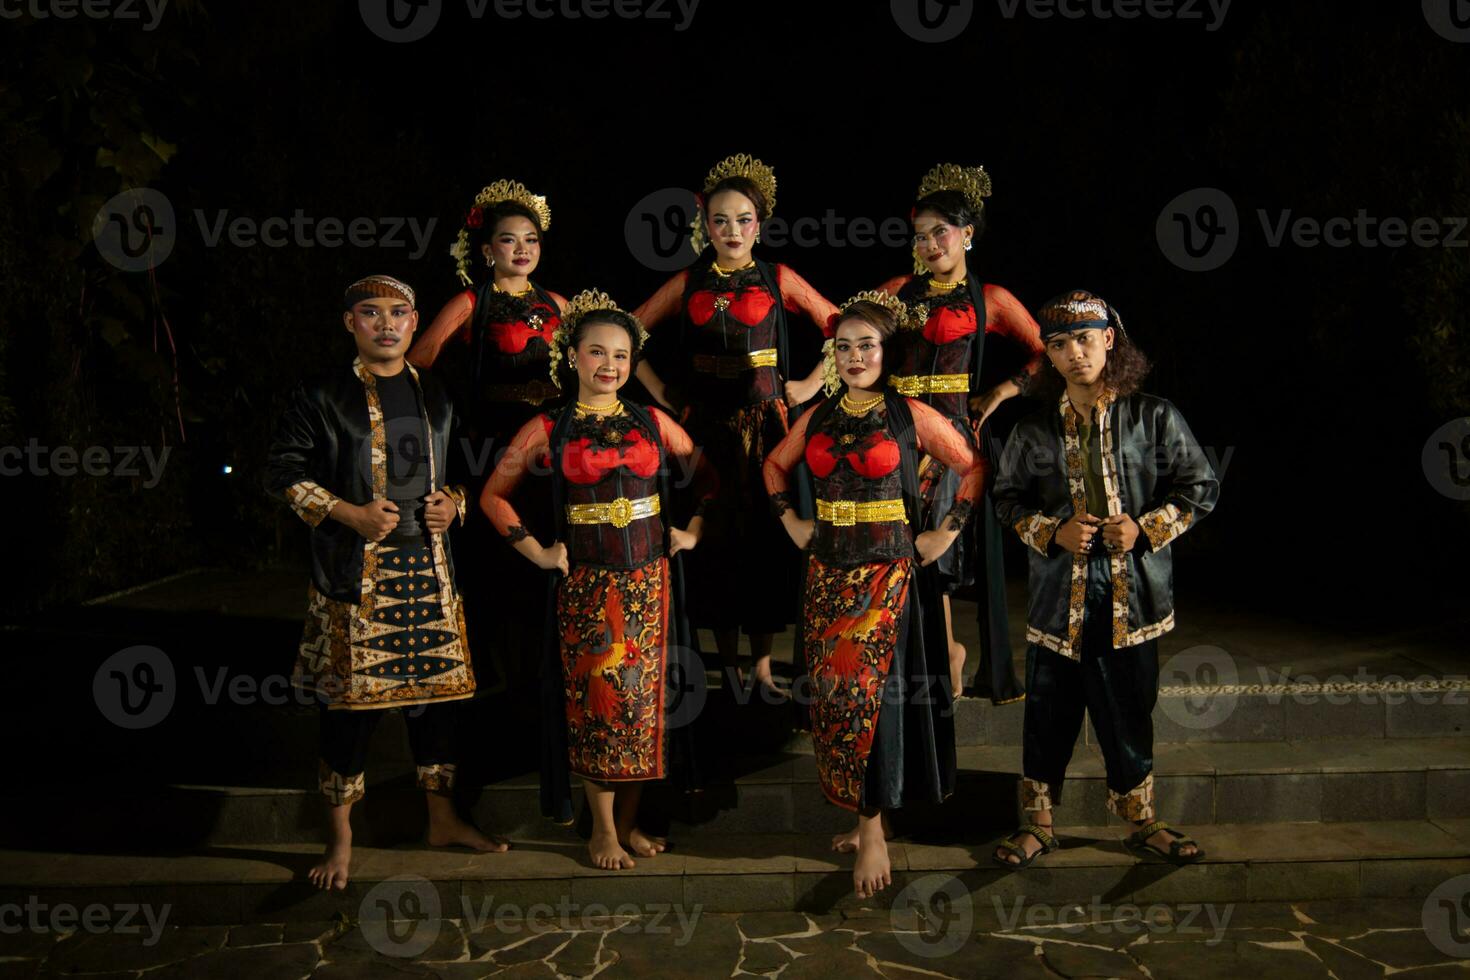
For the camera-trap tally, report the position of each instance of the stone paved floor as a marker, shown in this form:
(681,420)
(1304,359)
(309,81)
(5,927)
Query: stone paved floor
(1347,940)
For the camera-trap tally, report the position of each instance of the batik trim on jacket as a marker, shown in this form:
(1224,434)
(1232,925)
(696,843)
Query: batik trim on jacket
(1069,646)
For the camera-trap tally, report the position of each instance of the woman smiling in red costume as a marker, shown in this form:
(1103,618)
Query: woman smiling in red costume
(943,363)
(616,623)
(882,718)
(735,370)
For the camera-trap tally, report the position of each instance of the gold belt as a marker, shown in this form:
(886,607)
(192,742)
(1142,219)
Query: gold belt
(846,513)
(532,392)
(931,384)
(620,513)
(729,366)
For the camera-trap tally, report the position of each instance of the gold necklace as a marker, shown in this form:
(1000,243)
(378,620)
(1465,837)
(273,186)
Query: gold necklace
(524,292)
(859,409)
(730,272)
(616,408)
(945,287)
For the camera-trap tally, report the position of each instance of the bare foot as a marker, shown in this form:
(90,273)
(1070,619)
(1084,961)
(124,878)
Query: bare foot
(847,842)
(331,871)
(456,832)
(645,845)
(769,691)
(956,667)
(871,872)
(607,853)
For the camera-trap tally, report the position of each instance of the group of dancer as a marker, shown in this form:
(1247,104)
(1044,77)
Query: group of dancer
(881,466)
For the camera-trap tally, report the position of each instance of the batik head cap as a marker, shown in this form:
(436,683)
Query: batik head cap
(501,190)
(739,165)
(1076,310)
(578,307)
(376,287)
(973,183)
(905,318)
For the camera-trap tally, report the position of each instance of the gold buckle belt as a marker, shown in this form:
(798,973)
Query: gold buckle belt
(620,513)
(727,366)
(532,392)
(931,384)
(846,513)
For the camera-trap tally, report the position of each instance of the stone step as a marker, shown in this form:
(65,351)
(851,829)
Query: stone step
(226,885)
(1196,783)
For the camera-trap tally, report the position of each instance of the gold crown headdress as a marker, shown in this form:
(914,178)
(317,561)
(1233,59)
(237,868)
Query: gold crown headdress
(501,190)
(585,302)
(739,165)
(907,317)
(973,183)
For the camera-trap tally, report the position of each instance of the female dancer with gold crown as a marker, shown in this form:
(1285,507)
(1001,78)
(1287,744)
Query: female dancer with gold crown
(615,624)
(735,377)
(491,345)
(882,718)
(942,361)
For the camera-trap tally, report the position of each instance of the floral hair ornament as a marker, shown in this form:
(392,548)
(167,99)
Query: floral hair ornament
(906,318)
(973,183)
(501,190)
(739,165)
(579,307)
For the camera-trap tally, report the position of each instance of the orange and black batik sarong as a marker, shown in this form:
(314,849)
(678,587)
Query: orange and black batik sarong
(849,632)
(613,626)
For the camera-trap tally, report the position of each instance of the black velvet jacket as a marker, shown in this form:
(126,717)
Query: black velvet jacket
(330,445)
(1152,469)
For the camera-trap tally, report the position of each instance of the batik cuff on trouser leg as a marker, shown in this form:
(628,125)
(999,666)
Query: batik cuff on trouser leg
(1137,804)
(1036,795)
(437,778)
(340,790)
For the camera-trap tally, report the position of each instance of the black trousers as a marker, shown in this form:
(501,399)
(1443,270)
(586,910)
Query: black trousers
(1117,689)
(345,736)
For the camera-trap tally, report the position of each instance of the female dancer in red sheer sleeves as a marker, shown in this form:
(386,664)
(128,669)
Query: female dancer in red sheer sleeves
(615,621)
(491,346)
(871,630)
(734,376)
(943,362)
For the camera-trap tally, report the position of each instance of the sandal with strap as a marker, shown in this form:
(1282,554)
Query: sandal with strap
(1137,842)
(1043,837)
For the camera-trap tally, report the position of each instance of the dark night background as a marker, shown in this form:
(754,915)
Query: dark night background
(1323,371)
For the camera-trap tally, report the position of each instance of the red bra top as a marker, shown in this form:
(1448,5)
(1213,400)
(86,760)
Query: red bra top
(584,465)
(874,457)
(949,323)
(748,306)
(511,337)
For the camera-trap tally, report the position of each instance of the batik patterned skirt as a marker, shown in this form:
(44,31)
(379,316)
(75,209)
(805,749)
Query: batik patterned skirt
(614,624)
(403,644)
(850,631)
